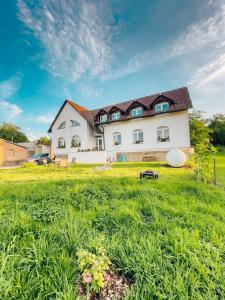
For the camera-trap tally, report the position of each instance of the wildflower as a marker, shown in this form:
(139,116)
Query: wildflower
(87,278)
(107,277)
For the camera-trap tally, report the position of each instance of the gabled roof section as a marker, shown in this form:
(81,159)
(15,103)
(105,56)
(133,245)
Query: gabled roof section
(180,99)
(8,142)
(86,114)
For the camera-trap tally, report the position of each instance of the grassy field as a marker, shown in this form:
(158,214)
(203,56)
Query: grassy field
(220,163)
(167,236)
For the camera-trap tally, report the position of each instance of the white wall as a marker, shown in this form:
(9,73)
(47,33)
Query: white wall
(177,122)
(93,157)
(68,113)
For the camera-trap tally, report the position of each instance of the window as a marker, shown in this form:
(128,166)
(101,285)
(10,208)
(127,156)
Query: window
(138,111)
(138,136)
(75,141)
(164,106)
(117,138)
(103,118)
(163,134)
(62,125)
(74,123)
(11,152)
(61,143)
(116,115)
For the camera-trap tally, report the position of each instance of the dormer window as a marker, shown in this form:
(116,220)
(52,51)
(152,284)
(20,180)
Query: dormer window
(62,125)
(103,118)
(74,123)
(163,106)
(116,115)
(137,111)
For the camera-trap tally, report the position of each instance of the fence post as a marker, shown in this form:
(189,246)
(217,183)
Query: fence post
(214,167)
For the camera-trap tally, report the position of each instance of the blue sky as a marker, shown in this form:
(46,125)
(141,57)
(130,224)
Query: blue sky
(98,52)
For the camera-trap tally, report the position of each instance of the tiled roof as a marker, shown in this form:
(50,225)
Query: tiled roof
(180,100)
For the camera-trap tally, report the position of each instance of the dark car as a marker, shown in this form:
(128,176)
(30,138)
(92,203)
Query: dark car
(40,159)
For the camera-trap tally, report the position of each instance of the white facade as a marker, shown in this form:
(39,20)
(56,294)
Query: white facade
(176,122)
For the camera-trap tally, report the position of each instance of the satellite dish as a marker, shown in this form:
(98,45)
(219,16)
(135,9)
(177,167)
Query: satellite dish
(176,158)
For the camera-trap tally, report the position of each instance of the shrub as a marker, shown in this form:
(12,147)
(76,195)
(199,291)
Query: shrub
(94,268)
(28,165)
(203,162)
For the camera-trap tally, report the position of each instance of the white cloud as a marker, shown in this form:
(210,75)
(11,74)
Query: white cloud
(9,110)
(10,86)
(87,89)
(45,119)
(212,71)
(207,32)
(135,64)
(76,35)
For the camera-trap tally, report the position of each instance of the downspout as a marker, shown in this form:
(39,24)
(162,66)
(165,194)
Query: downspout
(51,156)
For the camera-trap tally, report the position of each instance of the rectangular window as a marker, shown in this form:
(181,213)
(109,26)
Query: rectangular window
(162,107)
(103,118)
(138,136)
(116,115)
(163,134)
(136,112)
(117,139)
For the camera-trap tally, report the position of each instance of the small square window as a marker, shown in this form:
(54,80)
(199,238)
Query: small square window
(136,112)
(160,107)
(103,118)
(116,116)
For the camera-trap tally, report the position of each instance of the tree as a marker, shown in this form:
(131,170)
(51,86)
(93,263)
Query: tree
(12,133)
(44,140)
(217,126)
(198,128)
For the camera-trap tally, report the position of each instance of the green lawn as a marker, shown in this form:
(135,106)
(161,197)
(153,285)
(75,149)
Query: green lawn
(167,236)
(220,163)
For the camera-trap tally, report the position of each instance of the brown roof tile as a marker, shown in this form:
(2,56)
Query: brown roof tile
(180,98)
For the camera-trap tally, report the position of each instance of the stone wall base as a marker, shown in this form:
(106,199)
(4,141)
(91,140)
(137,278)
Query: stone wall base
(146,156)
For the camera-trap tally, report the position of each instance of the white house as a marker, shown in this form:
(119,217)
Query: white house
(142,129)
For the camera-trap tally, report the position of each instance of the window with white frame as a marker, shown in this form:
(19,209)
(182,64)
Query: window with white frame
(103,118)
(61,143)
(62,125)
(138,136)
(137,111)
(74,123)
(163,134)
(116,115)
(117,140)
(75,142)
(163,106)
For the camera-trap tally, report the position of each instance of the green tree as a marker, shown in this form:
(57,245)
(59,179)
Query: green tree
(199,129)
(44,140)
(217,126)
(12,133)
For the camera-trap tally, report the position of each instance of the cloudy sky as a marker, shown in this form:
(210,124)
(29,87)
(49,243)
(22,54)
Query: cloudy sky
(98,52)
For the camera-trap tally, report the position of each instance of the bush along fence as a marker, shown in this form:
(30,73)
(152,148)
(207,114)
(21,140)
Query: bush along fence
(204,164)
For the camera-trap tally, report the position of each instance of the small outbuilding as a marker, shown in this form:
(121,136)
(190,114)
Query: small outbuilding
(35,148)
(12,154)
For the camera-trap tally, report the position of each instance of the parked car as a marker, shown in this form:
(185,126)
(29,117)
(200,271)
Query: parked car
(38,159)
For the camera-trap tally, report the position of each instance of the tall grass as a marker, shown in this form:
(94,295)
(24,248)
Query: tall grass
(167,236)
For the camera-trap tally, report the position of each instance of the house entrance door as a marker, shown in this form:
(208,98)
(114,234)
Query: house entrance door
(99,143)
